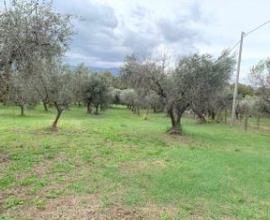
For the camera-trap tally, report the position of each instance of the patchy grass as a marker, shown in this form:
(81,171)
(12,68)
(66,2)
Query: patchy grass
(118,166)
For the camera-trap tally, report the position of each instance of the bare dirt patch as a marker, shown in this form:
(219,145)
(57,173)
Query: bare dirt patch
(140,166)
(4,158)
(176,139)
(75,207)
(4,161)
(41,168)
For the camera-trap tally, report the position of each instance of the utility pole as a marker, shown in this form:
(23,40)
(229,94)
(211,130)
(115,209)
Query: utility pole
(235,93)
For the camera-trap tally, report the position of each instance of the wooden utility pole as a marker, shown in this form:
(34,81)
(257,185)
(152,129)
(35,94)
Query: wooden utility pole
(235,93)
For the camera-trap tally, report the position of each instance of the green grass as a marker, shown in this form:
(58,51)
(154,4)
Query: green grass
(214,171)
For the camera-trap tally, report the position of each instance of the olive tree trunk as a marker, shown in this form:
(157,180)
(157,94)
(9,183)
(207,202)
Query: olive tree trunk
(213,116)
(175,122)
(89,109)
(59,112)
(45,106)
(22,110)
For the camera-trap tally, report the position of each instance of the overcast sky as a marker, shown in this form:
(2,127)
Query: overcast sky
(108,30)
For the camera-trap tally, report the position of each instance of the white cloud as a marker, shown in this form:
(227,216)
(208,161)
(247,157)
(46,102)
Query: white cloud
(107,31)
(110,29)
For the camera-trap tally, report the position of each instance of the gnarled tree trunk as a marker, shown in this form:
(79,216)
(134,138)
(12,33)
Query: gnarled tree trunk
(175,116)
(58,115)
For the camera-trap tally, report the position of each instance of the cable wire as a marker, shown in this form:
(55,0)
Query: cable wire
(248,33)
(258,27)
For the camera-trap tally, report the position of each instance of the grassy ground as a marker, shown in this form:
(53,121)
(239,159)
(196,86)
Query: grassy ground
(118,166)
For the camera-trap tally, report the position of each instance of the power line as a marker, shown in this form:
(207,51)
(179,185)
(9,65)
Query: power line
(258,27)
(248,33)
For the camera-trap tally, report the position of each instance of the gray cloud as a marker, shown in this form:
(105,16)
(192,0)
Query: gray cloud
(104,38)
(173,31)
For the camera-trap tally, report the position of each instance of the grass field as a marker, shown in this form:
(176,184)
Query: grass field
(118,166)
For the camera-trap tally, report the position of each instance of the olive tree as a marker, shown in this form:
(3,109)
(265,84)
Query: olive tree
(115,95)
(80,76)
(247,106)
(155,102)
(260,109)
(20,92)
(96,93)
(60,93)
(152,77)
(208,78)
(53,82)
(220,105)
(189,85)
(260,75)
(129,97)
(30,29)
